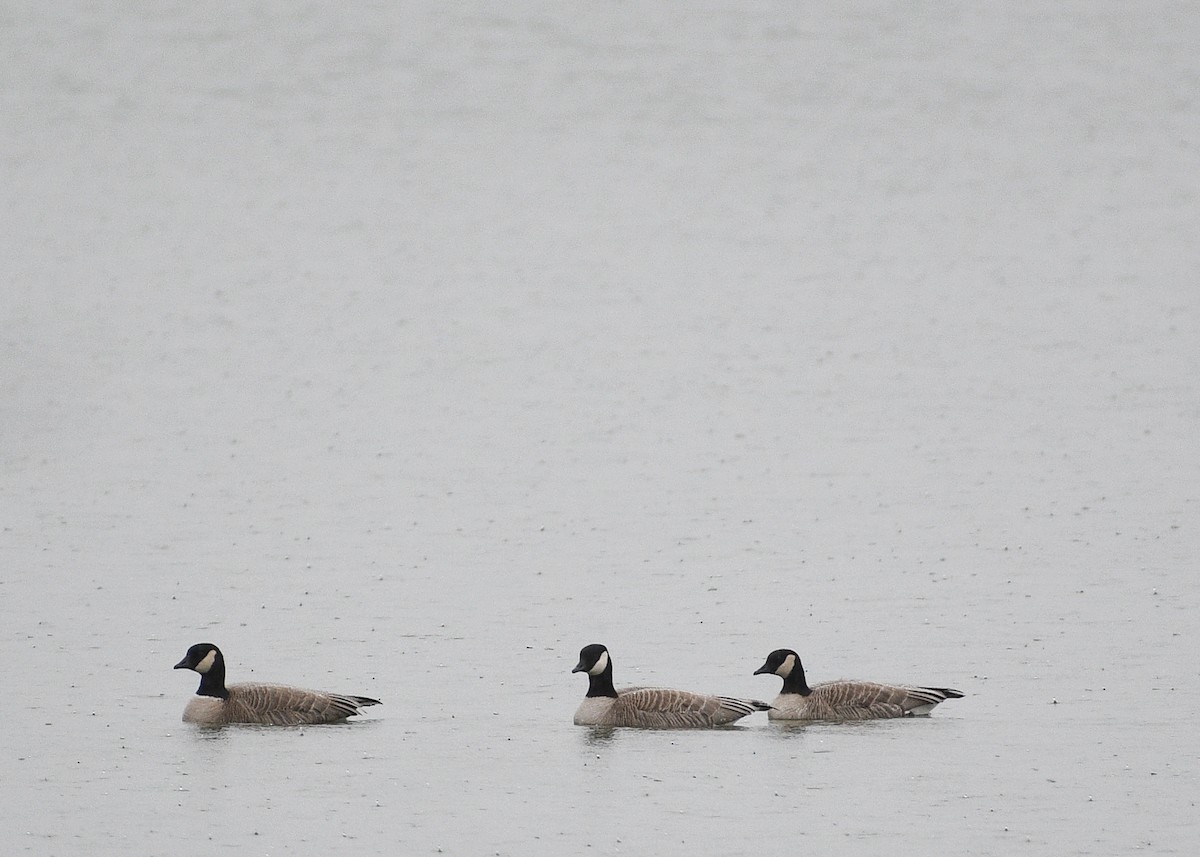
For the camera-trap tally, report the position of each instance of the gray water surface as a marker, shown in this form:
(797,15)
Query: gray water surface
(404,349)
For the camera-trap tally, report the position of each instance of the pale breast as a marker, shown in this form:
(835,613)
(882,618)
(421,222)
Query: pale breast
(788,706)
(204,709)
(593,711)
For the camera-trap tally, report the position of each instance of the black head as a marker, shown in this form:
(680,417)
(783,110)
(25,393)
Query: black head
(593,660)
(780,662)
(786,664)
(201,658)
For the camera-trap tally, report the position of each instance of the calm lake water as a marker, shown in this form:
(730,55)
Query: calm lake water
(404,349)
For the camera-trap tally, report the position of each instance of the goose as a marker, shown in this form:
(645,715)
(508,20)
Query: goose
(268,704)
(844,700)
(650,707)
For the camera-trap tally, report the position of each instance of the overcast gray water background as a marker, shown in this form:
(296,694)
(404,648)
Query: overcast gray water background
(403,349)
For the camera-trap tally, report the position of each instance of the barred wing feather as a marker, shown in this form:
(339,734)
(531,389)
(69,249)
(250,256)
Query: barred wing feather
(664,708)
(280,705)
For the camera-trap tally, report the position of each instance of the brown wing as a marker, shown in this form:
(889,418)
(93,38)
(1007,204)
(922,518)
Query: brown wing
(864,700)
(675,709)
(280,705)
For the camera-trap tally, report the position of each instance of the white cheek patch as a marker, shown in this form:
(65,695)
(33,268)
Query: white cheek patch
(206,664)
(601,664)
(785,668)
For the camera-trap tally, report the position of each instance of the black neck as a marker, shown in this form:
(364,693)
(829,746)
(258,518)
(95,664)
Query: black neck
(602,684)
(212,683)
(795,682)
